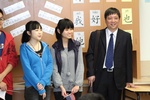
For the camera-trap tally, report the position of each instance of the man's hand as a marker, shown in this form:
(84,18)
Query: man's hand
(130,85)
(91,79)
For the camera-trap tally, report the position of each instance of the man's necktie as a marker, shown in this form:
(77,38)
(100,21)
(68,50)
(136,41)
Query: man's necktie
(110,53)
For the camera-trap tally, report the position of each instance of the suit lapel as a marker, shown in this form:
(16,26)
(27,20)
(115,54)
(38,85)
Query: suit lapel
(103,39)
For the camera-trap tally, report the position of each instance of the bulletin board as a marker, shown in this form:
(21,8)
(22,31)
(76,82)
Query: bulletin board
(87,15)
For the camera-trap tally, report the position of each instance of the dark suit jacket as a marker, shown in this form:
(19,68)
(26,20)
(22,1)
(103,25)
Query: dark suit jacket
(122,58)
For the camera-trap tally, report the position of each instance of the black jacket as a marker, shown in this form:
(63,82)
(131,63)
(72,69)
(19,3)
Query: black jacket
(72,45)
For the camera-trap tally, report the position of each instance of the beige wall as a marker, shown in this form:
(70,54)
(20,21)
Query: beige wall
(144,37)
(145,68)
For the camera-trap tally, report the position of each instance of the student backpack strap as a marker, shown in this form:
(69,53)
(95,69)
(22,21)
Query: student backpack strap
(90,88)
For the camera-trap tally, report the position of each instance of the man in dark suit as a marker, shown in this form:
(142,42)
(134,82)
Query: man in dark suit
(110,81)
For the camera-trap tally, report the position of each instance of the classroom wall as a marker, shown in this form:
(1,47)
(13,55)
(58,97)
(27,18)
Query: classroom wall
(144,34)
(145,37)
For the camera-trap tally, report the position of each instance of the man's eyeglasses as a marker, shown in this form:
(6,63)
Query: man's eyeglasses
(2,19)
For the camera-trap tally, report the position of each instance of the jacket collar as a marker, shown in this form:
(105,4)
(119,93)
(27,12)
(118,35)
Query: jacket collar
(59,45)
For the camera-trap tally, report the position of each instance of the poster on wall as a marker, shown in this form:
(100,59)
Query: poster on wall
(126,0)
(147,0)
(48,16)
(94,0)
(78,18)
(17,31)
(130,31)
(126,15)
(53,7)
(16,19)
(78,1)
(94,17)
(110,0)
(14,7)
(48,29)
(79,36)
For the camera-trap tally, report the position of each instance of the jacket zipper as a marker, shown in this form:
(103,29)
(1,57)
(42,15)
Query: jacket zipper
(40,58)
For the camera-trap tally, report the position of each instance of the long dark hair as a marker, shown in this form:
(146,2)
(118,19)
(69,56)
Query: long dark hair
(1,11)
(63,24)
(31,25)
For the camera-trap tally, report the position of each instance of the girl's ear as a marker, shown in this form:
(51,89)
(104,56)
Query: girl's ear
(28,33)
(58,31)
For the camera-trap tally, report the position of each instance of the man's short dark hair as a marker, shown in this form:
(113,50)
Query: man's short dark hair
(110,11)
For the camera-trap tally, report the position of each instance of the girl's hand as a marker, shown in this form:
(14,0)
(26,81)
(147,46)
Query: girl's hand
(40,86)
(3,86)
(75,89)
(44,95)
(1,77)
(63,91)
